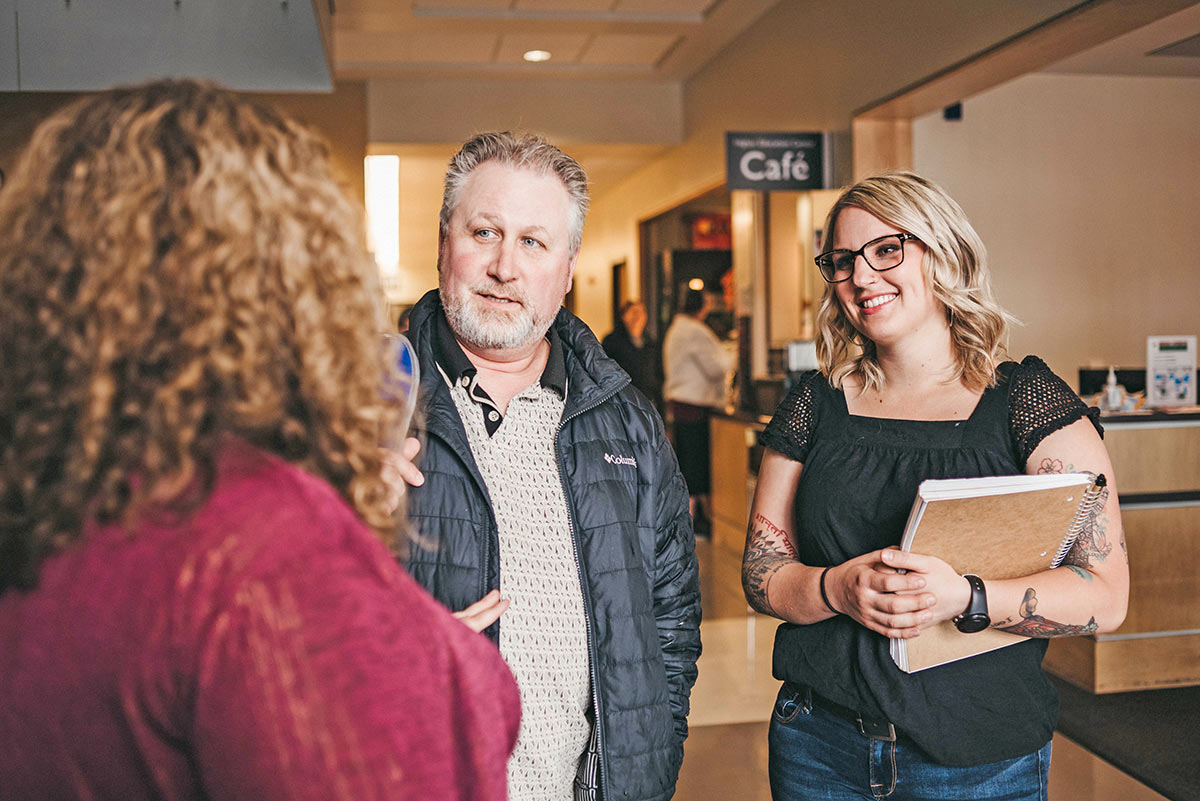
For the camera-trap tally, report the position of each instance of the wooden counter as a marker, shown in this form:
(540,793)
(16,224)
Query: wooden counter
(1156,465)
(733,453)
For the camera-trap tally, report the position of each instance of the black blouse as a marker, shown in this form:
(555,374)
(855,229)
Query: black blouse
(858,483)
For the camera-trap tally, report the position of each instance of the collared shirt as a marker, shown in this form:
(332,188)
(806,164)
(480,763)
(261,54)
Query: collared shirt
(544,632)
(458,370)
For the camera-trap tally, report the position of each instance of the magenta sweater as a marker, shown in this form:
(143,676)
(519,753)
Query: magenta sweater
(267,648)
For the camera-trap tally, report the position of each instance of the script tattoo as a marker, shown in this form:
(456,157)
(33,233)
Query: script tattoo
(1093,544)
(768,548)
(1034,625)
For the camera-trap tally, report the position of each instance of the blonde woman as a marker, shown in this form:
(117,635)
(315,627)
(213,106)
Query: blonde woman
(195,600)
(913,384)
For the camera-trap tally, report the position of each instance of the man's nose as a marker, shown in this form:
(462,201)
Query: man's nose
(503,267)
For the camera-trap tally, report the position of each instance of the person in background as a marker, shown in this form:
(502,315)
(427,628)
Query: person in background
(697,368)
(552,491)
(636,352)
(402,320)
(913,384)
(195,599)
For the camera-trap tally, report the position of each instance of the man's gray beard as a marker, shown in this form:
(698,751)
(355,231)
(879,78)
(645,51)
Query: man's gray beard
(487,330)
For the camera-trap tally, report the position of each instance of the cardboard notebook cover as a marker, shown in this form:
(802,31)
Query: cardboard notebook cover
(997,528)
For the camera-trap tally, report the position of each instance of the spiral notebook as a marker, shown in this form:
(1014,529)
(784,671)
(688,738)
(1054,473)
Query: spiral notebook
(997,527)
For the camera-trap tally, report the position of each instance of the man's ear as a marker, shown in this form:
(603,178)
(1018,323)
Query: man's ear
(571,271)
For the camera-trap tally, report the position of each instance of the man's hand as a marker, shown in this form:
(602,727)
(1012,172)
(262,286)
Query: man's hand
(484,612)
(400,469)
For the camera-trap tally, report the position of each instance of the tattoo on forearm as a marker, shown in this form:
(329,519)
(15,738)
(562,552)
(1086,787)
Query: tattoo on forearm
(1034,625)
(768,548)
(1093,544)
(1079,571)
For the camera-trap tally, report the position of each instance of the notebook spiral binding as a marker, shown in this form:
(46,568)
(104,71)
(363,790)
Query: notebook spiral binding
(1087,506)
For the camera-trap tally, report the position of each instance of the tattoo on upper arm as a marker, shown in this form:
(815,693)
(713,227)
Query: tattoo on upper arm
(768,548)
(1093,544)
(1050,466)
(1034,625)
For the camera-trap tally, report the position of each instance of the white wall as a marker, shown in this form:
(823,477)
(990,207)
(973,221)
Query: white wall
(1086,191)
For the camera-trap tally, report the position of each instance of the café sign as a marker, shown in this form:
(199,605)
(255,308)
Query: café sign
(776,161)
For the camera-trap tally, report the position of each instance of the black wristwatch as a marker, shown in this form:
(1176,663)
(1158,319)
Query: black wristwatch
(975,617)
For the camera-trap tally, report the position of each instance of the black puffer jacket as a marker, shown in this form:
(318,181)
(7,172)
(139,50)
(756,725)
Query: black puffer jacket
(628,510)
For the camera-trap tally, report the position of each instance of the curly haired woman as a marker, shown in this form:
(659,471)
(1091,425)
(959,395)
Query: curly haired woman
(193,603)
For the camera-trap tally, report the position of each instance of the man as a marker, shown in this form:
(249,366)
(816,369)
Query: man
(548,481)
(636,352)
(697,371)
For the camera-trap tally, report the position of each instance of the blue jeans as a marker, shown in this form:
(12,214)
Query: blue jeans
(816,755)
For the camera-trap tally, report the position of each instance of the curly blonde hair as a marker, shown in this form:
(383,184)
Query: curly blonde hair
(177,265)
(955,267)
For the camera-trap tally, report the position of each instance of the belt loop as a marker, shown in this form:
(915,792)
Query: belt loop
(808,699)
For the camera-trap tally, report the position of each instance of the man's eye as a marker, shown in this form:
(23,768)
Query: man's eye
(529,241)
(485,233)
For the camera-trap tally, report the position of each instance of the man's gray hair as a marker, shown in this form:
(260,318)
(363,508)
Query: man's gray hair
(529,151)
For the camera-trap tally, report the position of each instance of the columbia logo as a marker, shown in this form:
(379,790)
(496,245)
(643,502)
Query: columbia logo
(625,460)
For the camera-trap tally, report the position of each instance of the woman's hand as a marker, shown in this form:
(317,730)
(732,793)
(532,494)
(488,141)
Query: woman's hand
(400,469)
(872,590)
(484,612)
(950,591)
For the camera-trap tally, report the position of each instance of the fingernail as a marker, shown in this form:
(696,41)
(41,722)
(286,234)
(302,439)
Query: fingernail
(920,583)
(928,616)
(887,555)
(930,601)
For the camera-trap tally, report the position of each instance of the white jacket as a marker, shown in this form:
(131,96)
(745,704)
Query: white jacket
(697,365)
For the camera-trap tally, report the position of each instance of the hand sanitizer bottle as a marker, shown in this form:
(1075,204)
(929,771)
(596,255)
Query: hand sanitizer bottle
(1114,393)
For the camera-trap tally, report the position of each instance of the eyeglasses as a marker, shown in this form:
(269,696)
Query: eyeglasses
(880,254)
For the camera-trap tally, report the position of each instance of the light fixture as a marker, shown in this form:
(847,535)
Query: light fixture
(696,284)
(536,56)
(383,212)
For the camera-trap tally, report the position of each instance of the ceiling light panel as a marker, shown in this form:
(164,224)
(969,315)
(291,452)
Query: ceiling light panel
(695,7)
(627,48)
(467,5)
(431,47)
(573,6)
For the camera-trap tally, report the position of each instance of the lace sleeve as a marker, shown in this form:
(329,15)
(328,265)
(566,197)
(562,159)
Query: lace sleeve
(790,429)
(1041,403)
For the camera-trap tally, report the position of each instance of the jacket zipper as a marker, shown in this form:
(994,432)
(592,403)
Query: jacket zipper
(601,755)
(486,544)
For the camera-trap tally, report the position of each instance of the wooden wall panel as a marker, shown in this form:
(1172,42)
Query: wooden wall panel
(1164,569)
(1154,459)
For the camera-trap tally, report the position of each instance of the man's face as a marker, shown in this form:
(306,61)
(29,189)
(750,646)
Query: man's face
(505,262)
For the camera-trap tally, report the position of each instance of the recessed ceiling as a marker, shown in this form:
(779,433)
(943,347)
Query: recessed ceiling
(1160,48)
(592,39)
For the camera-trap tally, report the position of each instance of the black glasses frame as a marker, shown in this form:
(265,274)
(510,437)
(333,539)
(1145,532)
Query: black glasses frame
(824,259)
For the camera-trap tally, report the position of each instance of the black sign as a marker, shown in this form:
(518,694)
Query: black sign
(779,161)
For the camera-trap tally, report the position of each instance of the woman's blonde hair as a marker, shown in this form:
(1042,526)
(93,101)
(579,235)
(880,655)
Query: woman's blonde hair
(177,265)
(955,267)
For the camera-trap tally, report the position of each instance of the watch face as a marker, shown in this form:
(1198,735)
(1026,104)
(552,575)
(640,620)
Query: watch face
(969,624)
